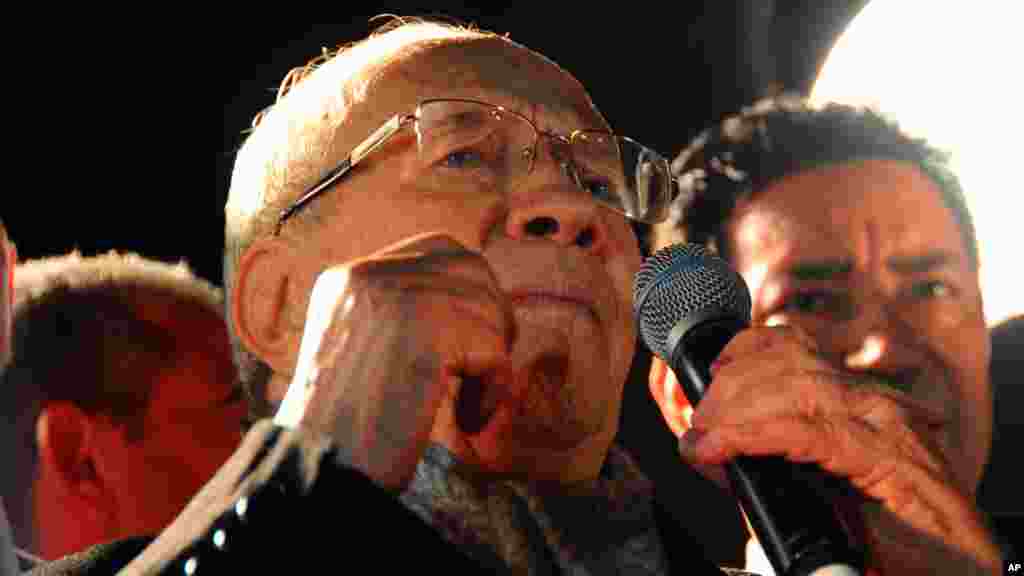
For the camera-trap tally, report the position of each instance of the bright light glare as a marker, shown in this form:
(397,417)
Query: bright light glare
(951,72)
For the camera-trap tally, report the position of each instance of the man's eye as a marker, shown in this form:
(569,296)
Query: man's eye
(599,190)
(461,159)
(931,289)
(808,303)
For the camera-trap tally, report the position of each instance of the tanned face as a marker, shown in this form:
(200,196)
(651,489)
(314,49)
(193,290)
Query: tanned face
(867,259)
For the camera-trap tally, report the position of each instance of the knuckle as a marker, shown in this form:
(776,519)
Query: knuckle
(466,262)
(365,274)
(438,241)
(379,290)
(882,409)
(426,242)
(441,248)
(807,394)
(818,392)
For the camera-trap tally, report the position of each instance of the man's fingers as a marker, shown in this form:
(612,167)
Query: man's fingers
(422,244)
(757,339)
(913,489)
(714,473)
(388,338)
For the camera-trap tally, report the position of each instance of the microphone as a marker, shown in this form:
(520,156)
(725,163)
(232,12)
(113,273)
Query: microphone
(688,305)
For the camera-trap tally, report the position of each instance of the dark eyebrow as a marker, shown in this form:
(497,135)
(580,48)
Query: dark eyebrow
(919,263)
(820,270)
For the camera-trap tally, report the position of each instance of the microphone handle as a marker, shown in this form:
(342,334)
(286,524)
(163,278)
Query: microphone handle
(786,503)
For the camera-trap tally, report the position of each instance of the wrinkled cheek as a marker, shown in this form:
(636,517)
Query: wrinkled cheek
(623,328)
(622,270)
(973,397)
(976,424)
(622,243)
(609,370)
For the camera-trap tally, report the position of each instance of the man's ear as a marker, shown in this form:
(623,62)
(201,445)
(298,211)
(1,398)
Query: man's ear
(66,440)
(669,396)
(262,312)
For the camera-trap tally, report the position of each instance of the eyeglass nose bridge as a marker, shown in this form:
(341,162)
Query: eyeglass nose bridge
(560,149)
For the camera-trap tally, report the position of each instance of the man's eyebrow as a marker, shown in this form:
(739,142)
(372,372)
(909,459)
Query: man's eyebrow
(918,263)
(820,269)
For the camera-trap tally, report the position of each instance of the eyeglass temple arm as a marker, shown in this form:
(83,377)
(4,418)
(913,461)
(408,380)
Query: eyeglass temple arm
(357,154)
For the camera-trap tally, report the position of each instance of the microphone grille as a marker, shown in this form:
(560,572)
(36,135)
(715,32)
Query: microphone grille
(680,281)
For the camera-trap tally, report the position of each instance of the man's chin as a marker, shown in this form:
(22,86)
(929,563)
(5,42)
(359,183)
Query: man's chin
(514,442)
(541,425)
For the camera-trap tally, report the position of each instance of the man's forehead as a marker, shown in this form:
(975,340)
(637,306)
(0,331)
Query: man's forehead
(819,213)
(348,100)
(490,69)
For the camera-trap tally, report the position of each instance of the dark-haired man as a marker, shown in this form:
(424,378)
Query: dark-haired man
(856,239)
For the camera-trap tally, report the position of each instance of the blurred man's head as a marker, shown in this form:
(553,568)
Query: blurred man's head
(120,398)
(536,209)
(846,227)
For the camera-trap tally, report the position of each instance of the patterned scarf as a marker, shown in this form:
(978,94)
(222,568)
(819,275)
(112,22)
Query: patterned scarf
(605,526)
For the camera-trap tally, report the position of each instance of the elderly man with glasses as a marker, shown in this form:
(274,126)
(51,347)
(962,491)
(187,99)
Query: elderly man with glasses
(429,262)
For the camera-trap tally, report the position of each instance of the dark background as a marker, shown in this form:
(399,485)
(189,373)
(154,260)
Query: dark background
(135,105)
(143,100)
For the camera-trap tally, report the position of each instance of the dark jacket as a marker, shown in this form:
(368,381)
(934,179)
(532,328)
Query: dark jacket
(284,503)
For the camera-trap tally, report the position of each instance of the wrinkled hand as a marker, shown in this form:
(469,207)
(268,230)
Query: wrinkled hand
(387,340)
(771,394)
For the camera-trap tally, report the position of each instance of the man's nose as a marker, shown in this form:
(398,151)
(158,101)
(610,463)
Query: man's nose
(874,337)
(549,203)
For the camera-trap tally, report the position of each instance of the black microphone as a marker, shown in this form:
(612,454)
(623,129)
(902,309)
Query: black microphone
(688,305)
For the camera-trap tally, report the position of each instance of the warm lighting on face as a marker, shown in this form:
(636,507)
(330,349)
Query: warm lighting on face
(951,72)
